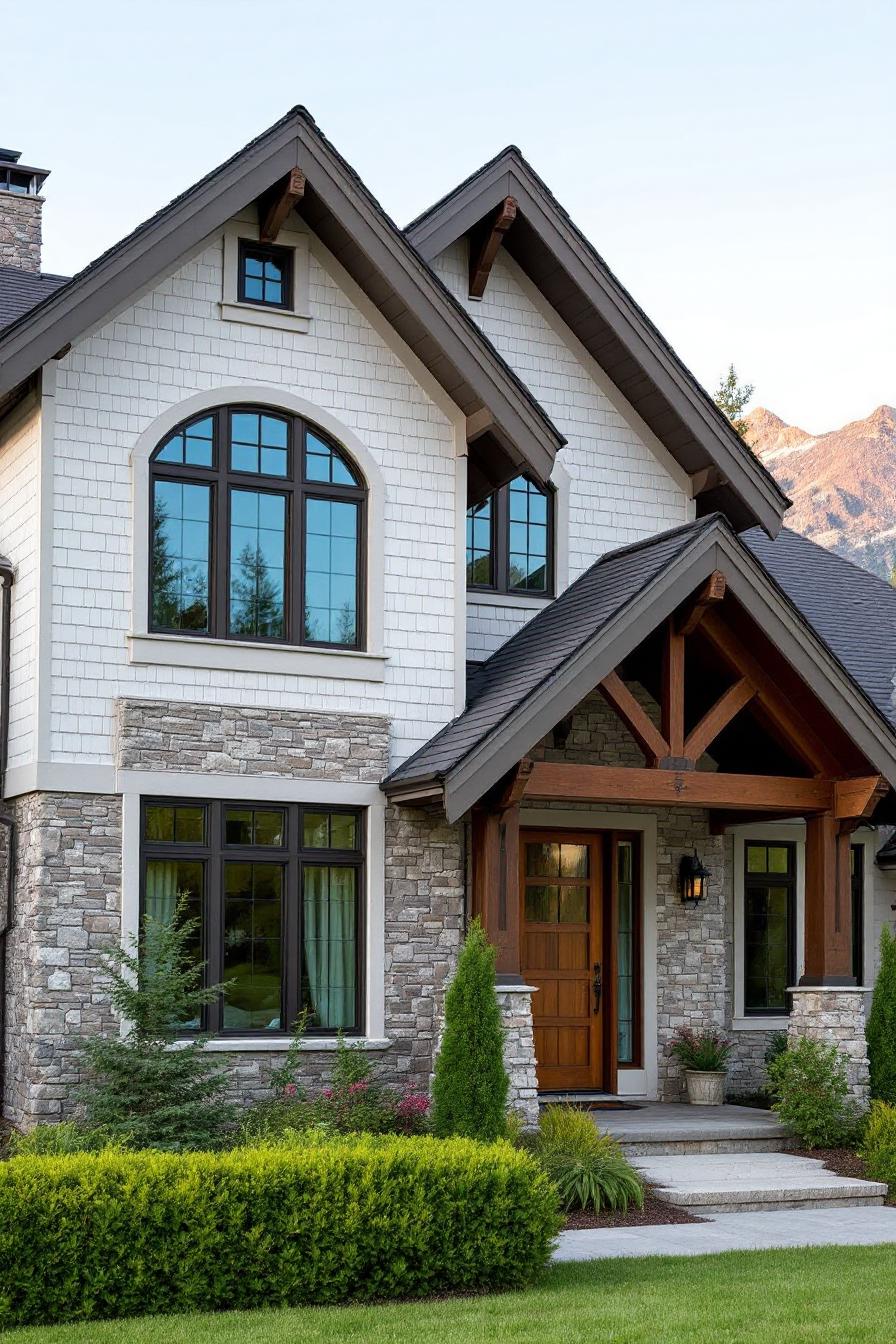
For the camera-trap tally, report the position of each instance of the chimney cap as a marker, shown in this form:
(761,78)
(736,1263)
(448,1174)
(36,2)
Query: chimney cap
(10,155)
(20,178)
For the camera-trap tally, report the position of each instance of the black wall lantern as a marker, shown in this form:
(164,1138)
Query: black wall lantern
(692,878)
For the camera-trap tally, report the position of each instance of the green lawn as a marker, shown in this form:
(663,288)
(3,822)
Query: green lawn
(831,1293)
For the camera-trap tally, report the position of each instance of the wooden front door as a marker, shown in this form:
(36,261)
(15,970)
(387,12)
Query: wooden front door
(561,889)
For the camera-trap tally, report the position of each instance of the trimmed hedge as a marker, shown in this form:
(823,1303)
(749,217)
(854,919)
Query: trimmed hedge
(88,1236)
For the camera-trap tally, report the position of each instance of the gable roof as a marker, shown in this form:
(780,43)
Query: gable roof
(543,672)
(356,229)
(602,314)
(20,291)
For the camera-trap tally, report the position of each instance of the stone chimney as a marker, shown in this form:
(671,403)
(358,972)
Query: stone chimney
(20,207)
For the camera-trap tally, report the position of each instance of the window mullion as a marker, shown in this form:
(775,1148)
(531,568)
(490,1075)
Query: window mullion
(214,916)
(221,552)
(502,540)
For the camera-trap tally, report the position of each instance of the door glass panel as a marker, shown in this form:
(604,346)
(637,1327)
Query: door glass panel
(625,953)
(542,860)
(541,904)
(573,860)
(573,905)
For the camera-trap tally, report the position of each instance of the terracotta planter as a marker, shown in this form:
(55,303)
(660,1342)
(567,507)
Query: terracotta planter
(705,1089)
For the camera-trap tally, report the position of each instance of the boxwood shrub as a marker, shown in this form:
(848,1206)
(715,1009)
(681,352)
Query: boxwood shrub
(88,1236)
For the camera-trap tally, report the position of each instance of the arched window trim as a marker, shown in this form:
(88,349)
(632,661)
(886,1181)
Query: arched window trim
(499,547)
(223,478)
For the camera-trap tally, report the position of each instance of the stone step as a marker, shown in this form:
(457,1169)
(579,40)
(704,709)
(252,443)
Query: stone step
(748,1183)
(673,1129)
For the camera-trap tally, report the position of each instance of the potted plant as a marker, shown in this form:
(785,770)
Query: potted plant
(704,1058)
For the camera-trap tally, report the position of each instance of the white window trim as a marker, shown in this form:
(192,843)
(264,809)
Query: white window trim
(297,318)
(188,651)
(135,784)
(641,1082)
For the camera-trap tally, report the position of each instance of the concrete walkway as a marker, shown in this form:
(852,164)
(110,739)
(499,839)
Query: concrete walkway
(734,1232)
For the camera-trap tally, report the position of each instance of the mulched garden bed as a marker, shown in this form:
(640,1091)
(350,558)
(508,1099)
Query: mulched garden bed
(842,1161)
(655,1212)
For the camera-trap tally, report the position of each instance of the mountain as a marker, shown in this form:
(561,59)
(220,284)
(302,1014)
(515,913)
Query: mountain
(843,483)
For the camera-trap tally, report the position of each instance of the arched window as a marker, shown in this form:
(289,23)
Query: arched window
(510,540)
(257,531)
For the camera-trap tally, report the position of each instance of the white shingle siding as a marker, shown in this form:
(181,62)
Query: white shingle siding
(620,490)
(169,345)
(19,542)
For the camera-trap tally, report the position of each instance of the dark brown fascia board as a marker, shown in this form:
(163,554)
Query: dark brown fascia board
(509,174)
(714,548)
(132,265)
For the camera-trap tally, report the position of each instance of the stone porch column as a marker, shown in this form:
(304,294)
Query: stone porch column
(834,1014)
(515,1002)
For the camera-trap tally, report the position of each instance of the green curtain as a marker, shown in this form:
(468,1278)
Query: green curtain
(161,890)
(330,944)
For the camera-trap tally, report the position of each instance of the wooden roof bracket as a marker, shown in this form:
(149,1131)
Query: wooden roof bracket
(275,205)
(484,245)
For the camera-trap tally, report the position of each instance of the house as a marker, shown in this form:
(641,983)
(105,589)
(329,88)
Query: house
(357,581)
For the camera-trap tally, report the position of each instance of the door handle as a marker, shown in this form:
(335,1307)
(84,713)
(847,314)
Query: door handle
(597,986)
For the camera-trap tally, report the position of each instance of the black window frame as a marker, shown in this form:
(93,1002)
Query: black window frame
(284,258)
(766,879)
(500,543)
(223,479)
(294,857)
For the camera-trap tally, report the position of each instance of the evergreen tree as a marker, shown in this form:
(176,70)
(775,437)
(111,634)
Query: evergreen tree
(880,1031)
(470,1083)
(139,1088)
(731,399)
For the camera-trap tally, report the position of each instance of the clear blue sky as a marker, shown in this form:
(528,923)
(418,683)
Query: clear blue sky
(733,161)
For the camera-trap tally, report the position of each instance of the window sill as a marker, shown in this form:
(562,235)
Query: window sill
(258,315)
(231,655)
(265,1044)
(518,600)
(760,1023)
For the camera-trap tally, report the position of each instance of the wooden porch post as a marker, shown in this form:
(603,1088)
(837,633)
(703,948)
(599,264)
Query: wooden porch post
(828,905)
(496,886)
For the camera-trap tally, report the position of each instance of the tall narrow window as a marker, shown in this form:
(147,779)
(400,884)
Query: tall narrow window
(510,540)
(257,532)
(277,894)
(627,953)
(769,926)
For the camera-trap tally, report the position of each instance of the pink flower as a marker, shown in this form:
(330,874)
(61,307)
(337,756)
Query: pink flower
(290,1090)
(412,1105)
(327,1094)
(354,1089)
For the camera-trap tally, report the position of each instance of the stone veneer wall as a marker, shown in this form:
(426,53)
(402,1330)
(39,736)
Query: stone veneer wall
(835,1016)
(20,231)
(68,898)
(234,740)
(67,909)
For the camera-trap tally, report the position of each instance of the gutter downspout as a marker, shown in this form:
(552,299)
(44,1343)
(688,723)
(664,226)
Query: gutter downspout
(7,578)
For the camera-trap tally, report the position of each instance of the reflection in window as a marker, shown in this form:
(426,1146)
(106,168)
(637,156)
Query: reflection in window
(331,571)
(509,540)
(257,531)
(277,891)
(769,918)
(253,896)
(626,952)
(265,275)
(181,534)
(257,564)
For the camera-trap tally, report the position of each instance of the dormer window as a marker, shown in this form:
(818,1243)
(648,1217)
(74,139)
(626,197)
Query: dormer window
(510,540)
(265,275)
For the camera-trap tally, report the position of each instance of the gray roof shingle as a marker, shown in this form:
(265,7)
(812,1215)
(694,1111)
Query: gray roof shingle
(20,291)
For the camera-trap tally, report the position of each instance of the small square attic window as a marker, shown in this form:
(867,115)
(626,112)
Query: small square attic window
(265,275)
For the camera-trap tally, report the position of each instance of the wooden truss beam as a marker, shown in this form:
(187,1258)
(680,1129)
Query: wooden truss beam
(712,592)
(672,699)
(779,709)
(699,788)
(702,736)
(636,719)
(275,205)
(484,247)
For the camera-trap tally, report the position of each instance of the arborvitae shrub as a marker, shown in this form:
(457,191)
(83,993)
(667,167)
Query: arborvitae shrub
(881,1028)
(470,1082)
